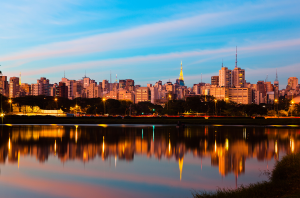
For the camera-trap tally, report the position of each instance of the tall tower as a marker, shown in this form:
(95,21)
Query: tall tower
(20,79)
(180,80)
(181,74)
(236,57)
(237,74)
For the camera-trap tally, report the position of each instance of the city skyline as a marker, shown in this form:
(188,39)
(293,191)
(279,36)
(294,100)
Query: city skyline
(147,42)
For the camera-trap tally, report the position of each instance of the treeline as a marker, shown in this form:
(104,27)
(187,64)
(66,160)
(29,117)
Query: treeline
(201,105)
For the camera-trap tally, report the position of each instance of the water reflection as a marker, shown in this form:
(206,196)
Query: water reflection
(227,147)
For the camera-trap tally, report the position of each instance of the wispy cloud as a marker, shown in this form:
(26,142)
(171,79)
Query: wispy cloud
(144,35)
(260,48)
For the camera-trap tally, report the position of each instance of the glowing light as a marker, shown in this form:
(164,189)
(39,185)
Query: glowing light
(241,165)
(180,162)
(76,134)
(9,144)
(55,147)
(226,144)
(215,146)
(292,145)
(18,159)
(8,124)
(142,133)
(102,125)
(169,146)
(103,147)
(115,161)
(153,133)
(276,148)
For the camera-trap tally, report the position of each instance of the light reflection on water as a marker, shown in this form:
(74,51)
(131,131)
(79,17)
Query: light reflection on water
(136,161)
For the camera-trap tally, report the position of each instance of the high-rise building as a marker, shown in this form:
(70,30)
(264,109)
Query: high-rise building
(225,77)
(129,84)
(240,95)
(142,94)
(220,93)
(45,85)
(126,95)
(292,83)
(62,90)
(122,84)
(94,91)
(14,87)
(25,88)
(3,85)
(41,87)
(238,77)
(215,80)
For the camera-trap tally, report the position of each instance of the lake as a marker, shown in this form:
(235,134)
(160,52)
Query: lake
(136,160)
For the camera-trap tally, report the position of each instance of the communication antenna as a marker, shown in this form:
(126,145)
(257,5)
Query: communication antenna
(266,78)
(236,57)
(276,79)
(116,77)
(110,77)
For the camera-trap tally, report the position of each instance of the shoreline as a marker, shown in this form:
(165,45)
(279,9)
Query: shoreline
(234,121)
(283,182)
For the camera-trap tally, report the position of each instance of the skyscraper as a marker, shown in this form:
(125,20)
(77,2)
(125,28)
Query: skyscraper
(292,83)
(13,87)
(238,77)
(3,85)
(225,77)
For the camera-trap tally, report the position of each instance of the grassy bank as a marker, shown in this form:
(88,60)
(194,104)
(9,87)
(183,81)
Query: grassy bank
(284,181)
(149,120)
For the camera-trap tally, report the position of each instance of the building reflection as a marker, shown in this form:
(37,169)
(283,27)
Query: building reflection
(228,148)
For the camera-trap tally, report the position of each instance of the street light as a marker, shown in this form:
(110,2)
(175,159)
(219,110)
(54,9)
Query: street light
(56,107)
(10,101)
(168,101)
(76,110)
(215,106)
(104,105)
(292,108)
(277,106)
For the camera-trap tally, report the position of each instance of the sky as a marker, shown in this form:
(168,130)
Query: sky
(147,40)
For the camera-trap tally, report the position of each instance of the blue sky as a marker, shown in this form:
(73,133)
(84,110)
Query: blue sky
(146,41)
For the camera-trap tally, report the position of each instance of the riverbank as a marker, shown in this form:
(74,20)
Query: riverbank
(150,120)
(284,181)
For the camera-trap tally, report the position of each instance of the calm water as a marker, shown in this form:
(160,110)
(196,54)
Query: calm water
(136,160)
